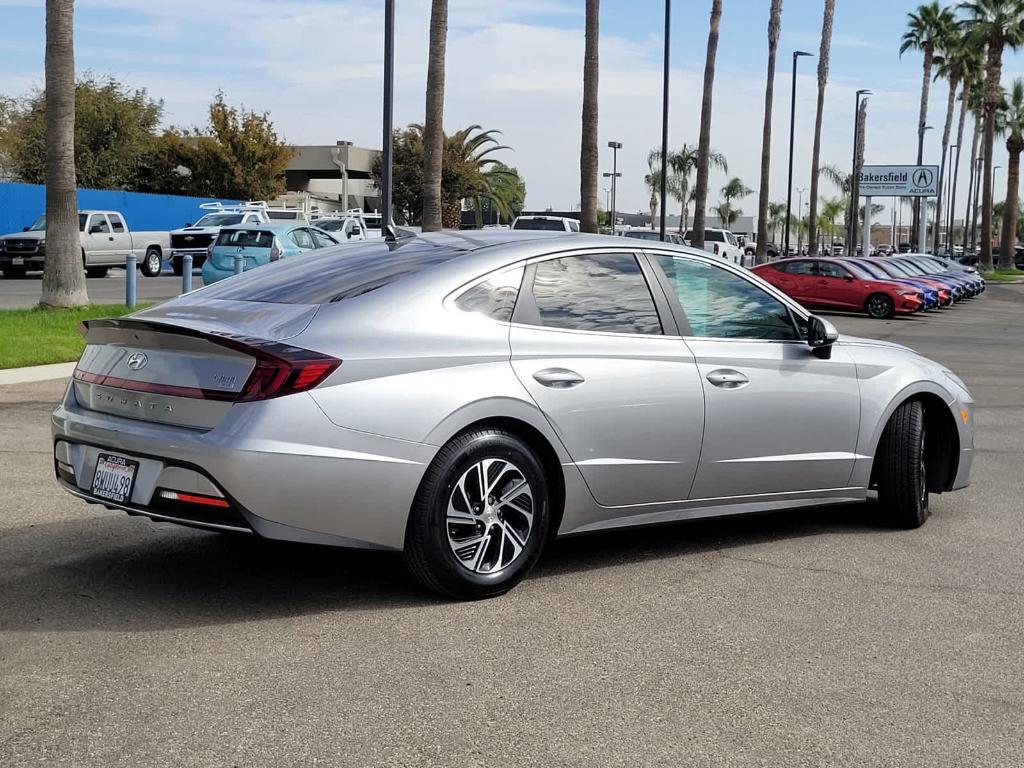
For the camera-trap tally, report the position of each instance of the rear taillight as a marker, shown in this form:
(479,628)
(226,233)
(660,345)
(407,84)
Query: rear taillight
(209,251)
(276,251)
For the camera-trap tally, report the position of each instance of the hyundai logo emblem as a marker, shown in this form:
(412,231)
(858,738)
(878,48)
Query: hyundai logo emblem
(137,361)
(923,177)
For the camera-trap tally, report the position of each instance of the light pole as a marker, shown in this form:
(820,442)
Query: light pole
(615,147)
(921,230)
(664,118)
(851,234)
(792,130)
(388,221)
(949,202)
(799,229)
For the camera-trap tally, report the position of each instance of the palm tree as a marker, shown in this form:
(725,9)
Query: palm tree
(704,143)
(823,56)
(682,162)
(735,188)
(831,211)
(652,180)
(970,61)
(726,213)
(777,218)
(1010,123)
(774,28)
(588,148)
(433,133)
(998,24)
(949,65)
(925,29)
(470,172)
(976,106)
(63,279)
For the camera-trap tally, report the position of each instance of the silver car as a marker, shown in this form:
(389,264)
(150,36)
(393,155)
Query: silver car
(463,398)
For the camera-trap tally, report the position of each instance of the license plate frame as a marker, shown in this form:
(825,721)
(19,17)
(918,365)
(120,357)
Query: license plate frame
(117,481)
(17,261)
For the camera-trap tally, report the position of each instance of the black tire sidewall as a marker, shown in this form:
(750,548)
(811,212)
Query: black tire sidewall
(430,513)
(889,303)
(145,263)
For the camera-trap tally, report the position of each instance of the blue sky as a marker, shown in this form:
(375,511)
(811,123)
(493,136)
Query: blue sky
(315,64)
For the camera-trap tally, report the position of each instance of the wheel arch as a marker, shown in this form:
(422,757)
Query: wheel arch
(942,437)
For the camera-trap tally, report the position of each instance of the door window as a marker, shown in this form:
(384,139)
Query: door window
(99,225)
(603,292)
(828,269)
(115,223)
(322,239)
(302,239)
(720,304)
(495,297)
(796,267)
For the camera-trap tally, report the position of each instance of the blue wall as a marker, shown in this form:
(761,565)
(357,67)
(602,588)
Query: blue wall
(20,204)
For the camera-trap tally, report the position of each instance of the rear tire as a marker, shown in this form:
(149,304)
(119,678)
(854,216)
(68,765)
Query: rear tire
(902,470)
(880,306)
(96,271)
(151,263)
(485,496)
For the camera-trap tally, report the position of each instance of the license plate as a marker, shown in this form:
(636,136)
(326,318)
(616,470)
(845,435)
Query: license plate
(17,260)
(114,477)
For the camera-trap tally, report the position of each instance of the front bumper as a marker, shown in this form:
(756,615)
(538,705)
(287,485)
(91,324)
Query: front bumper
(349,489)
(30,262)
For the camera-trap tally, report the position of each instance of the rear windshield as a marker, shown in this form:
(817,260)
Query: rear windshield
(547,225)
(219,220)
(332,274)
(249,238)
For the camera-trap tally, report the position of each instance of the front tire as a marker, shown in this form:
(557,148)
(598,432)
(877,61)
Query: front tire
(96,271)
(151,263)
(480,517)
(176,266)
(880,306)
(902,469)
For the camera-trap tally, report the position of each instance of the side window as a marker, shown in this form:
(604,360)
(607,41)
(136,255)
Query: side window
(322,240)
(115,222)
(495,297)
(574,226)
(604,292)
(302,239)
(99,225)
(797,267)
(827,269)
(722,305)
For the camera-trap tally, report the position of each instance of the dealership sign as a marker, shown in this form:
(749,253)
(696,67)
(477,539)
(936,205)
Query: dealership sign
(899,181)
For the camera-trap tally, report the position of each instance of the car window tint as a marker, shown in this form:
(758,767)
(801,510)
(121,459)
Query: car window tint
(495,297)
(798,267)
(714,237)
(322,239)
(732,239)
(602,292)
(720,304)
(574,226)
(248,238)
(302,239)
(547,225)
(99,224)
(115,223)
(828,269)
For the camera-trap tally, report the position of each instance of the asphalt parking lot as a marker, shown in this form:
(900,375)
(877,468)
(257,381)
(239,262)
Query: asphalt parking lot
(811,638)
(23,293)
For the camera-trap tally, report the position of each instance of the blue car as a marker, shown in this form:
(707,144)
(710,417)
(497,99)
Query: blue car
(931,296)
(260,244)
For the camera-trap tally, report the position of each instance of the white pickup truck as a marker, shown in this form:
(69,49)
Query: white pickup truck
(106,242)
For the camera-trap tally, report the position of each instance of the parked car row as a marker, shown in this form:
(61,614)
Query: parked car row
(880,286)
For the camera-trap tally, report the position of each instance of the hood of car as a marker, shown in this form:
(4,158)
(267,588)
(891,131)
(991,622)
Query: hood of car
(196,231)
(37,235)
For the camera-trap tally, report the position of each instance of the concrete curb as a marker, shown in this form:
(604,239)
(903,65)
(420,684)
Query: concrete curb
(36,373)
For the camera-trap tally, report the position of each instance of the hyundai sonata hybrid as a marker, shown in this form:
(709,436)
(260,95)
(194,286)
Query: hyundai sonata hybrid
(463,398)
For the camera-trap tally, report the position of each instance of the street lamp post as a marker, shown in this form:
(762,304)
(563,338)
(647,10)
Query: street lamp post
(921,215)
(949,202)
(792,131)
(664,117)
(615,147)
(388,221)
(851,234)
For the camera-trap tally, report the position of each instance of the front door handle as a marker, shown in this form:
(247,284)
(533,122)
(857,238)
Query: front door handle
(726,378)
(558,378)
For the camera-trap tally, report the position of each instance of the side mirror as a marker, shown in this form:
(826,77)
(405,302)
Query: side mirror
(848,278)
(821,335)
(25,229)
(188,223)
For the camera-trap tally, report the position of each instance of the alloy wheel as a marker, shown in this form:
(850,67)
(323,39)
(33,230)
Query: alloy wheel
(490,516)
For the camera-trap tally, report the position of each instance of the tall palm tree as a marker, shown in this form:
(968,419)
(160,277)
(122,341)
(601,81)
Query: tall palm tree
(774,28)
(704,143)
(652,180)
(683,161)
(735,188)
(433,122)
(471,172)
(63,279)
(588,148)
(726,213)
(925,28)
(948,66)
(777,218)
(976,107)
(999,24)
(971,73)
(823,56)
(1010,123)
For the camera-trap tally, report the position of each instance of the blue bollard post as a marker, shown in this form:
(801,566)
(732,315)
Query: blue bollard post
(129,282)
(239,263)
(186,273)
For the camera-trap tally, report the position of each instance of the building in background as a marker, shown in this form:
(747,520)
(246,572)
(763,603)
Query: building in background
(332,177)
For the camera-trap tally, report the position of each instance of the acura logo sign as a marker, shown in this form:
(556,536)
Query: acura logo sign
(137,361)
(923,177)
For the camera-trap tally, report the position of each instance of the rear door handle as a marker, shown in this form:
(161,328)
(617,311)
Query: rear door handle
(558,378)
(727,378)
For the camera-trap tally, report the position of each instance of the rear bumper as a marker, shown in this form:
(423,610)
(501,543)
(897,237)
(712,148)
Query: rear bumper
(287,472)
(212,274)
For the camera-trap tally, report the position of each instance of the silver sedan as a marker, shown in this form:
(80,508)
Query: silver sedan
(464,398)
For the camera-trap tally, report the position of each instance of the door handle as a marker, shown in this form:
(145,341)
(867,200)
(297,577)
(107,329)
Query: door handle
(558,378)
(727,378)
(110,239)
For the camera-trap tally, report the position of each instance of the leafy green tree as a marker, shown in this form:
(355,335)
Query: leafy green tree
(114,130)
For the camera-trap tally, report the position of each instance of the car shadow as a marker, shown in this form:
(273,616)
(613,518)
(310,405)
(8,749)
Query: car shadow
(114,573)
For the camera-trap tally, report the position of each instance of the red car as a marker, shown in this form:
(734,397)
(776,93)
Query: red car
(832,284)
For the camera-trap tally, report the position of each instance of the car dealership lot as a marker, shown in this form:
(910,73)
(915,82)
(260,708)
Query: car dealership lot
(24,293)
(817,637)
